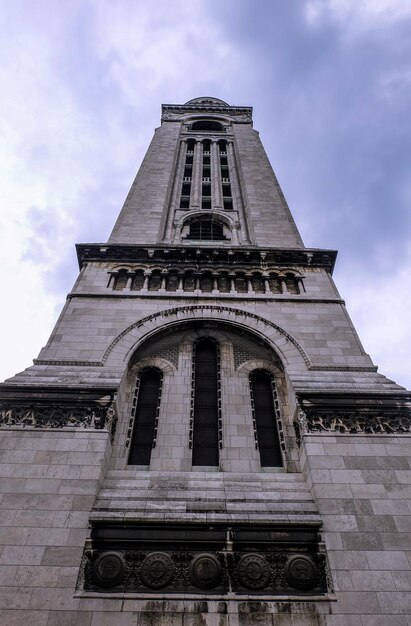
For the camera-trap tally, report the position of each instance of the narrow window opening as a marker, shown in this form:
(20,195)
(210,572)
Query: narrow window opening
(261,385)
(257,283)
(154,281)
(172,282)
(146,407)
(121,280)
(205,440)
(241,283)
(274,283)
(206,282)
(292,285)
(224,283)
(138,281)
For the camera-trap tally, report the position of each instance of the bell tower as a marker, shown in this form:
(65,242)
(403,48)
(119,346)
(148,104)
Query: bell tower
(203,439)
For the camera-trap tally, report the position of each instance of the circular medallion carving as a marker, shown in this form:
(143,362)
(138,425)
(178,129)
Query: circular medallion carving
(108,569)
(157,570)
(301,572)
(205,571)
(253,571)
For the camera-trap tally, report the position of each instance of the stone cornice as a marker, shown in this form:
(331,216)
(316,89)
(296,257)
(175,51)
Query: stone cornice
(208,257)
(176,112)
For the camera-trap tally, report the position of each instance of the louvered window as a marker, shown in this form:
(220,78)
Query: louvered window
(261,384)
(205,404)
(145,407)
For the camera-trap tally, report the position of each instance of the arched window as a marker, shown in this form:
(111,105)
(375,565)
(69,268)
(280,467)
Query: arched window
(205,409)
(146,406)
(261,385)
(207,125)
(206,230)
(138,281)
(121,280)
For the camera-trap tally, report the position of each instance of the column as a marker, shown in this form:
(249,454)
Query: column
(196,178)
(232,283)
(129,281)
(236,192)
(147,275)
(283,284)
(266,283)
(216,185)
(176,192)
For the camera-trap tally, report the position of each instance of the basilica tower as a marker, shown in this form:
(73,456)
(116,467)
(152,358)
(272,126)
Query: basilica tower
(203,440)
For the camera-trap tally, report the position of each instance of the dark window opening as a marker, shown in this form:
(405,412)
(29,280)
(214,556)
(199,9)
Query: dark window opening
(265,421)
(189,282)
(224,283)
(206,203)
(206,189)
(185,202)
(205,409)
(188,171)
(206,160)
(138,281)
(206,230)
(228,204)
(292,284)
(120,280)
(206,282)
(172,282)
(257,283)
(154,282)
(146,414)
(227,190)
(206,172)
(189,159)
(274,283)
(207,125)
(241,283)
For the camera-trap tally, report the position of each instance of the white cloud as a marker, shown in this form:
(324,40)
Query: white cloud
(358,14)
(55,158)
(379,305)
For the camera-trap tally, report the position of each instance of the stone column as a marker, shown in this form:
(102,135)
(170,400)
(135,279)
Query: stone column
(232,283)
(283,284)
(216,185)
(147,275)
(266,283)
(236,192)
(176,192)
(196,178)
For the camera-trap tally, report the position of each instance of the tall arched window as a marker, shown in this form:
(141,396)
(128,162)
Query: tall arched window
(146,406)
(205,407)
(261,384)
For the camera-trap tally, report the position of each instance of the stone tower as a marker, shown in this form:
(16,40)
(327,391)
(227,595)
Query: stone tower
(203,440)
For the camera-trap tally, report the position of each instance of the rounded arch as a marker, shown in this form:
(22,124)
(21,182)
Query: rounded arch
(206,100)
(284,345)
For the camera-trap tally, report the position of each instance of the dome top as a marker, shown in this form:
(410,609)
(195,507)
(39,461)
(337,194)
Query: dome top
(207,100)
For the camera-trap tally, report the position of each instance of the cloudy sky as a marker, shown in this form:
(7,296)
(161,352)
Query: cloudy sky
(82,82)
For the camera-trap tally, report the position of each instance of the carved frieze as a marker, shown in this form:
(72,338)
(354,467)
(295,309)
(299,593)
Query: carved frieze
(365,422)
(54,415)
(274,571)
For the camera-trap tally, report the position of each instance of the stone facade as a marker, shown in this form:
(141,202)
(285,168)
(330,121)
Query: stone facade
(204,250)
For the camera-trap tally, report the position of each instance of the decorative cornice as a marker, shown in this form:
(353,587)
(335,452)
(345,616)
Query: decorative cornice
(207,257)
(64,363)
